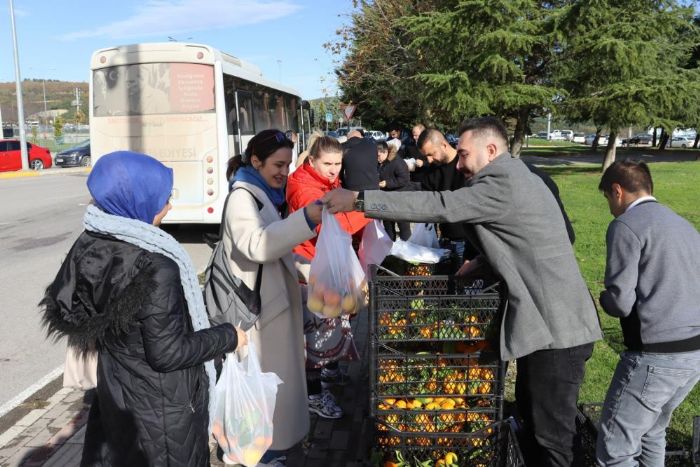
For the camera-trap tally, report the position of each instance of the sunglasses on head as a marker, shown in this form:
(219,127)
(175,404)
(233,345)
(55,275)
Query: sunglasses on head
(278,136)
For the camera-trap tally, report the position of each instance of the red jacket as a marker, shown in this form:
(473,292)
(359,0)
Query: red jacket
(305,186)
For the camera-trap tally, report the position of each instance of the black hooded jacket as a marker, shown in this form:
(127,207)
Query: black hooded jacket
(152,390)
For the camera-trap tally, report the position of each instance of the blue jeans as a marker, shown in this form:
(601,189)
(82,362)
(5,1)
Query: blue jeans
(643,393)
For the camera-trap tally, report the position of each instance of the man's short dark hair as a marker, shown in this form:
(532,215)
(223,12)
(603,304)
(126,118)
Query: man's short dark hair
(632,176)
(482,125)
(429,134)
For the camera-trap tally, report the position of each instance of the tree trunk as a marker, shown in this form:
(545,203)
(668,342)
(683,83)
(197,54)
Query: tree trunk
(594,144)
(697,140)
(653,138)
(610,150)
(516,144)
(663,140)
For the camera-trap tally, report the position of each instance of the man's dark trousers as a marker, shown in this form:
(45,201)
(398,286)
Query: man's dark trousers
(546,393)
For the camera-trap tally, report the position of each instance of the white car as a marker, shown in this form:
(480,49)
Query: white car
(681,142)
(579,138)
(375,134)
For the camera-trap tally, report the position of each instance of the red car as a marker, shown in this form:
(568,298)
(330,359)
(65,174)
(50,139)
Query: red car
(11,156)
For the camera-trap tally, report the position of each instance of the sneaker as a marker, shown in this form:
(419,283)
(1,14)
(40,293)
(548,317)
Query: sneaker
(330,378)
(324,405)
(276,462)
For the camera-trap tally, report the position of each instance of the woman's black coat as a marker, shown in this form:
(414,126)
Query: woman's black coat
(395,173)
(152,390)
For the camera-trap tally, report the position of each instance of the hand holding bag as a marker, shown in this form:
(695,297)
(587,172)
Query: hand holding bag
(241,420)
(336,278)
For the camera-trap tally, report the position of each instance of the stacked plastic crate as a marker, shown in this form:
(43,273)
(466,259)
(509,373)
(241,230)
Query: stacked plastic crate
(437,388)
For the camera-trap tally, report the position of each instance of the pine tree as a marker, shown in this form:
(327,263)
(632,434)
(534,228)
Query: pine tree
(622,64)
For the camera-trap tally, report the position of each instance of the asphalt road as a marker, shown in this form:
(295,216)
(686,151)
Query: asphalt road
(40,217)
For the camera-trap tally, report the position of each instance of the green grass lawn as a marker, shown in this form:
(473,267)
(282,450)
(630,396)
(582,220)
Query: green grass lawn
(676,184)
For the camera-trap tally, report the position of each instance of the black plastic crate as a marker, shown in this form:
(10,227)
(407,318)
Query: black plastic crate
(428,393)
(494,446)
(433,308)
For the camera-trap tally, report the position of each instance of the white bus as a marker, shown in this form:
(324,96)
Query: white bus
(192,107)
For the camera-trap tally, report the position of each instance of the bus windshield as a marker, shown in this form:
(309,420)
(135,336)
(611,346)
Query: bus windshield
(153,88)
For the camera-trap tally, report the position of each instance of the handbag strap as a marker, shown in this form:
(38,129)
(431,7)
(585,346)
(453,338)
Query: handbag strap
(258,277)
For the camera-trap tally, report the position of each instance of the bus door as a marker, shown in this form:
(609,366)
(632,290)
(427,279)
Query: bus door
(243,127)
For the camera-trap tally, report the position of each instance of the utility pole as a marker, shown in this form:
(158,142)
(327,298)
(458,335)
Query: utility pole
(20,104)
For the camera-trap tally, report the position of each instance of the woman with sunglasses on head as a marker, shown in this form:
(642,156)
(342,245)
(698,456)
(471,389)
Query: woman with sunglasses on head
(254,234)
(129,290)
(327,340)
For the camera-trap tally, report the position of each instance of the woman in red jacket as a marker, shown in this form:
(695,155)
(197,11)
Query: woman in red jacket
(327,340)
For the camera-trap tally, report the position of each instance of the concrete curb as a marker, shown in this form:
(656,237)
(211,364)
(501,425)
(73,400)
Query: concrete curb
(45,173)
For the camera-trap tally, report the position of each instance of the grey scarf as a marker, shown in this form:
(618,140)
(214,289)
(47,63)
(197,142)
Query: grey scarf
(155,240)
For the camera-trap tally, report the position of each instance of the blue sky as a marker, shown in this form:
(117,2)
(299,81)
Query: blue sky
(283,37)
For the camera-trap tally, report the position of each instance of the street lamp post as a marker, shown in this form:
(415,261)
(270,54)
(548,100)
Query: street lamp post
(18,84)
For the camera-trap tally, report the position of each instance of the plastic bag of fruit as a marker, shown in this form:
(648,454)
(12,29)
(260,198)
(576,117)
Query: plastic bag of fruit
(241,418)
(336,280)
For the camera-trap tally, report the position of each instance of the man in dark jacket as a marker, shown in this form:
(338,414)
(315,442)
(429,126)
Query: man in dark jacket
(651,284)
(359,163)
(442,175)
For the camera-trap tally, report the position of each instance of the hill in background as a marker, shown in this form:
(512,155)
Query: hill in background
(59,95)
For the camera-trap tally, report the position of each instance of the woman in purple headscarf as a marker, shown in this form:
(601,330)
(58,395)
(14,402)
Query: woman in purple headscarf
(129,290)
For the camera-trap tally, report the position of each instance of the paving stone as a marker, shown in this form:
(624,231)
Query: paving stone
(7,439)
(55,411)
(31,417)
(40,439)
(68,456)
(323,429)
(79,437)
(339,440)
(17,458)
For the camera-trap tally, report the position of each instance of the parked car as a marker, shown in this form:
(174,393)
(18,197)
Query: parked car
(641,138)
(579,138)
(73,157)
(11,156)
(343,131)
(375,135)
(542,135)
(332,134)
(452,139)
(683,142)
(567,135)
(602,139)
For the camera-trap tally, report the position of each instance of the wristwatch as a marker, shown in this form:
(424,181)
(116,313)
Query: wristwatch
(359,204)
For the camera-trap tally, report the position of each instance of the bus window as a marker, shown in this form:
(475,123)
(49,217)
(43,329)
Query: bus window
(261,115)
(230,102)
(245,110)
(279,118)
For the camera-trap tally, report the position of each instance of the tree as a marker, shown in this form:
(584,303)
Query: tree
(378,68)
(58,126)
(486,57)
(442,61)
(621,63)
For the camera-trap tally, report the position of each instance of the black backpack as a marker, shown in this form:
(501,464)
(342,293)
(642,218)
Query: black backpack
(227,298)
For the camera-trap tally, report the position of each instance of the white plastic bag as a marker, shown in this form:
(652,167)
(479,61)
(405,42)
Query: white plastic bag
(413,253)
(424,235)
(241,420)
(375,244)
(336,279)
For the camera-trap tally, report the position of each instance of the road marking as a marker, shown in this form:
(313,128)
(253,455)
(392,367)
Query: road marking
(17,400)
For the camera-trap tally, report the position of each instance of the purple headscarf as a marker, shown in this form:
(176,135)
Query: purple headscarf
(131,185)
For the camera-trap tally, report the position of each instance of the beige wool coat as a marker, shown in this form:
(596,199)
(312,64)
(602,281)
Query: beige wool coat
(251,237)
